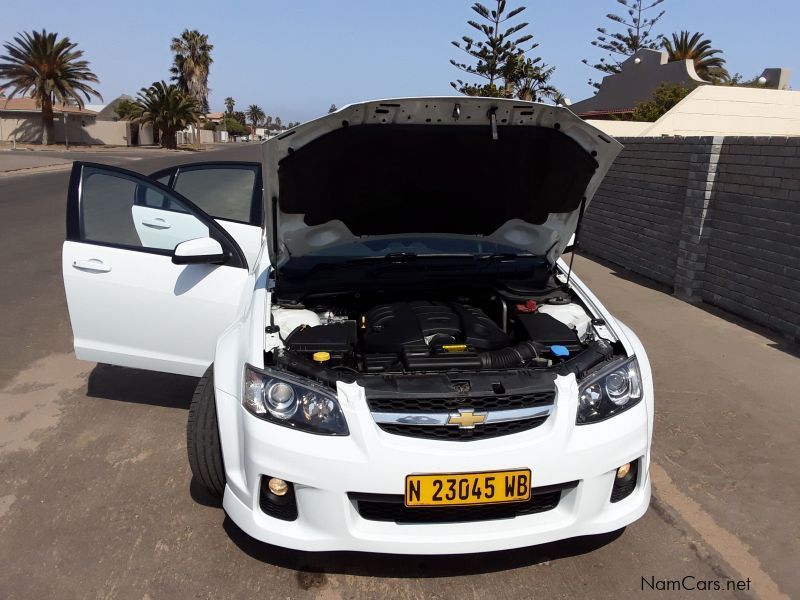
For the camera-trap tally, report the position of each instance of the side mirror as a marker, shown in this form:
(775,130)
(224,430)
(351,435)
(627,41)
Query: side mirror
(571,245)
(200,251)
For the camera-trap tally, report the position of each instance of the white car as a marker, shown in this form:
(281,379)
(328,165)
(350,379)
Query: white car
(393,356)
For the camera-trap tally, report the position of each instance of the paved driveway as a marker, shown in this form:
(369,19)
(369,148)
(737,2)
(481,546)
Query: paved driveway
(97,501)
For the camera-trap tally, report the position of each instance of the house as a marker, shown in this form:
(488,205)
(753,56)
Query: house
(108,112)
(215,117)
(709,110)
(720,110)
(263,133)
(642,74)
(21,120)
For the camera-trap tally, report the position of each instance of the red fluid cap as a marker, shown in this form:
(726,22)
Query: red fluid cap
(528,307)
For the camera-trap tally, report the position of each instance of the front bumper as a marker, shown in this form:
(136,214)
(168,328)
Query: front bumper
(370,461)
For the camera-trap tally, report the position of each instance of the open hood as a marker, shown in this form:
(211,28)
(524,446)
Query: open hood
(504,173)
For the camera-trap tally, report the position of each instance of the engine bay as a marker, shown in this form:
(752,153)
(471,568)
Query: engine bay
(481,331)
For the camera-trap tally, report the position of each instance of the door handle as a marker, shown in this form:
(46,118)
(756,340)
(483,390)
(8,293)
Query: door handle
(157,223)
(93,264)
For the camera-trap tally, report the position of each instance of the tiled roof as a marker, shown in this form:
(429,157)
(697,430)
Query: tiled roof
(598,113)
(29,105)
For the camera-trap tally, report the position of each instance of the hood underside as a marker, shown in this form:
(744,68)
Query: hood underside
(502,172)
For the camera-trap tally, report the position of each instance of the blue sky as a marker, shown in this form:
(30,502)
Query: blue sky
(295,58)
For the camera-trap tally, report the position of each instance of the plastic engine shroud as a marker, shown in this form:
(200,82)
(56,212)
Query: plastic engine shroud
(416,325)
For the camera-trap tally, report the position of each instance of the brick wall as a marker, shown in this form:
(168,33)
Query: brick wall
(634,219)
(718,219)
(753,264)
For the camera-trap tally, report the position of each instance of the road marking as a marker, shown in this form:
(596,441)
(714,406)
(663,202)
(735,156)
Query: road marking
(735,552)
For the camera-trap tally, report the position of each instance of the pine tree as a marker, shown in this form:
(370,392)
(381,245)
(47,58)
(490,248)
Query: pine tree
(501,57)
(637,35)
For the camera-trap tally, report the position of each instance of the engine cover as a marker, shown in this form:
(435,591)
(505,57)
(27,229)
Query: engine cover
(420,325)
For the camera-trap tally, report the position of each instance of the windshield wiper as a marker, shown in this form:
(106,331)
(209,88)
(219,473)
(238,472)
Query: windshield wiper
(407,257)
(400,257)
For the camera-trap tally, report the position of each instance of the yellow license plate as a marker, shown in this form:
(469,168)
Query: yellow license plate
(449,489)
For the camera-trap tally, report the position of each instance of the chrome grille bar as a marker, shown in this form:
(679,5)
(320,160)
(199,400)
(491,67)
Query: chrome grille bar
(440,419)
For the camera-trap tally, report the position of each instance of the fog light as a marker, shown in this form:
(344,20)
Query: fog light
(625,481)
(277,498)
(278,486)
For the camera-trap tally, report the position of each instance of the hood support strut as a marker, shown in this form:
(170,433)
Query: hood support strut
(575,243)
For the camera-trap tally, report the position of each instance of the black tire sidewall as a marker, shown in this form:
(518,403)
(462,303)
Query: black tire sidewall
(203,443)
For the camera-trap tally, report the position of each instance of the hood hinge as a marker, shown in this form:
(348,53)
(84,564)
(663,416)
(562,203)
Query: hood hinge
(493,120)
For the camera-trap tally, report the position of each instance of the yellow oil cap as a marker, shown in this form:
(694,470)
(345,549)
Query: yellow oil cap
(454,347)
(321,356)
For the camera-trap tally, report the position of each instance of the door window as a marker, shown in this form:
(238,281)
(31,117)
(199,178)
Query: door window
(225,191)
(125,211)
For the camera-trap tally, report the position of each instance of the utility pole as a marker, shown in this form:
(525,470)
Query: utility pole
(66,129)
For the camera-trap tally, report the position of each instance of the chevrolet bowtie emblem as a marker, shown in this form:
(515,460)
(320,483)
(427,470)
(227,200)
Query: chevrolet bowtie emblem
(466,418)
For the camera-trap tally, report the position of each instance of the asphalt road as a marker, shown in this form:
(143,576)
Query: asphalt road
(97,501)
(26,161)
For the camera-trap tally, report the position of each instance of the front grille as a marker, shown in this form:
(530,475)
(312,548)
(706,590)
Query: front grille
(390,507)
(478,403)
(425,405)
(451,433)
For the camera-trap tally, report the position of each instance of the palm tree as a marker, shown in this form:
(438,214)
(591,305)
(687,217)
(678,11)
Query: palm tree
(256,114)
(229,104)
(165,107)
(708,65)
(191,65)
(278,123)
(527,79)
(50,70)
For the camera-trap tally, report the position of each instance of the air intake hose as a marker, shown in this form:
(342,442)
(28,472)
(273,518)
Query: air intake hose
(307,368)
(517,356)
(514,356)
(597,352)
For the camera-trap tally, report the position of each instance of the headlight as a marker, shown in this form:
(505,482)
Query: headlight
(609,392)
(292,402)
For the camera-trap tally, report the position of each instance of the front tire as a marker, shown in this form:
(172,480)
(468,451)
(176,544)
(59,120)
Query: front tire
(202,438)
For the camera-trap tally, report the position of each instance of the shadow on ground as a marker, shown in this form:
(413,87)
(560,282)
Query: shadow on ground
(777,341)
(622,273)
(201,495)
(307,564)
(141,387)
